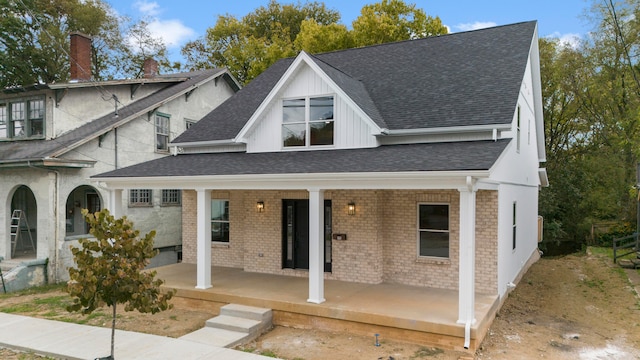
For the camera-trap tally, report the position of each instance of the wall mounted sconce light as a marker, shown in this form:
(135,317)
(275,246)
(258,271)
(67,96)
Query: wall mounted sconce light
(260,206)
(351,208)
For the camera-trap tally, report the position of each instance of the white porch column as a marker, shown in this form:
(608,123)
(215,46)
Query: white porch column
(316,246)
(115,202)
(203,214)
(466,280)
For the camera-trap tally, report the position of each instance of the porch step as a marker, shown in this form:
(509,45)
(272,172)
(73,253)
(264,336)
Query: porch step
(236,324)
(233,323)
(247,312)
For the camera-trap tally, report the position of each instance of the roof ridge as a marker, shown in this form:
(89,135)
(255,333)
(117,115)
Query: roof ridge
(427,37)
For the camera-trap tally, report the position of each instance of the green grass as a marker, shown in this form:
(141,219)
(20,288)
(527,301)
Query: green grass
(19,308)
(35,290)
(268,353)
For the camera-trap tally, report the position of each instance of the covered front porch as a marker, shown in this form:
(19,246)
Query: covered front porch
(400,312)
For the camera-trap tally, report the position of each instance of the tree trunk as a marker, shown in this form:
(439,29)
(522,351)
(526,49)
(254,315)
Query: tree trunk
(113,330)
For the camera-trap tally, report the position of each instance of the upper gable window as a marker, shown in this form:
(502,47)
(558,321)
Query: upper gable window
(162,132)
(22,118)
(307,121)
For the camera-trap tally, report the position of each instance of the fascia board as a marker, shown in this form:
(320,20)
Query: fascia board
(447,130)
(534,58)
(395,180)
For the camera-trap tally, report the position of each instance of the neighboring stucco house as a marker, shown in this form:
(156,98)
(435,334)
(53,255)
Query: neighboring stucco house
(53,137)
(415,162)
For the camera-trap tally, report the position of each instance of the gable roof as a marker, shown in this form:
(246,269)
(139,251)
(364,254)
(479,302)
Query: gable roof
(460,79)
(20,151)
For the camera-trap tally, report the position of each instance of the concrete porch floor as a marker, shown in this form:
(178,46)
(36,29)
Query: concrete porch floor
(407,313)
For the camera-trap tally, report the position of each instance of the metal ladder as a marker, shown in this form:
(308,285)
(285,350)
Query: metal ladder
(17,217)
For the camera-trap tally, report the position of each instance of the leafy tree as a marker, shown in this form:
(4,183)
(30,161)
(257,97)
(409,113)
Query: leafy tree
(109,270)
(249,45)
(592,123)
(34,41)
(316,38)
(394,20)
(34,37)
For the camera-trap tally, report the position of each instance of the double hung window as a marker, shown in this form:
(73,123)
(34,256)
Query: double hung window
(22,118)
(433,230)
(220,220)
(162,132)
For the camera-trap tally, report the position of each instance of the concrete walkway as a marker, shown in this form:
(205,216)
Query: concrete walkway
(72,341)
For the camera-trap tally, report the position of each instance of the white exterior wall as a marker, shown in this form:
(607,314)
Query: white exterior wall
(82,105)
(518,176)
(350,130)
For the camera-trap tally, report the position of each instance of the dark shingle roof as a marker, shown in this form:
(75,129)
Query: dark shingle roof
(38,149)
(469,78)
(453,156)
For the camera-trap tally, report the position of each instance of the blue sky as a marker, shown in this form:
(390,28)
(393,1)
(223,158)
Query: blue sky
(177,22)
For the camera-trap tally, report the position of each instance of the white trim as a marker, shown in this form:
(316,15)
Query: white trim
(203,143)
(542,174)
(328,181)
(447,129)
(302,57)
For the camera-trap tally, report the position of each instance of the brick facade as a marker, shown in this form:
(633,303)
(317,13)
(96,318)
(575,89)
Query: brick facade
(381,240)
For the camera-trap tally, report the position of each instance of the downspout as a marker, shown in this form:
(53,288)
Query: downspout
(467,334)
(115,146)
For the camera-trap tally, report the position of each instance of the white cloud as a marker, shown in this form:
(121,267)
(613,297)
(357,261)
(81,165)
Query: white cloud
(569,39)
(475,26)
(173,32)
(147,8)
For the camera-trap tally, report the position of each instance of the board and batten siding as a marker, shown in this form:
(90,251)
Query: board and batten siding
(350,130)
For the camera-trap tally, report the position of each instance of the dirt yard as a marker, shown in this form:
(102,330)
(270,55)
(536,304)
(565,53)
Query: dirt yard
(573,307)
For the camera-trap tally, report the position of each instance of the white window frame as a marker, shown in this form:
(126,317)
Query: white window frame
(137,197)
(221,221)
(162,131)
(171,197)
(307,122)
(419,230)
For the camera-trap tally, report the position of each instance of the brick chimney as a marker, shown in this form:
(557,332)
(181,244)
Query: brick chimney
(150,68)
(80,56)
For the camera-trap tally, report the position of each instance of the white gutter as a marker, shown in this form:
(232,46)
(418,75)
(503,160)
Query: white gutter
(205,143)
(449,129)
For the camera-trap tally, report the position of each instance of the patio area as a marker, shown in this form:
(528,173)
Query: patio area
(407,313)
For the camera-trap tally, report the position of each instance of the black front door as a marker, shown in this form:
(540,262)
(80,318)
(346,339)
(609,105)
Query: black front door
(295,234)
